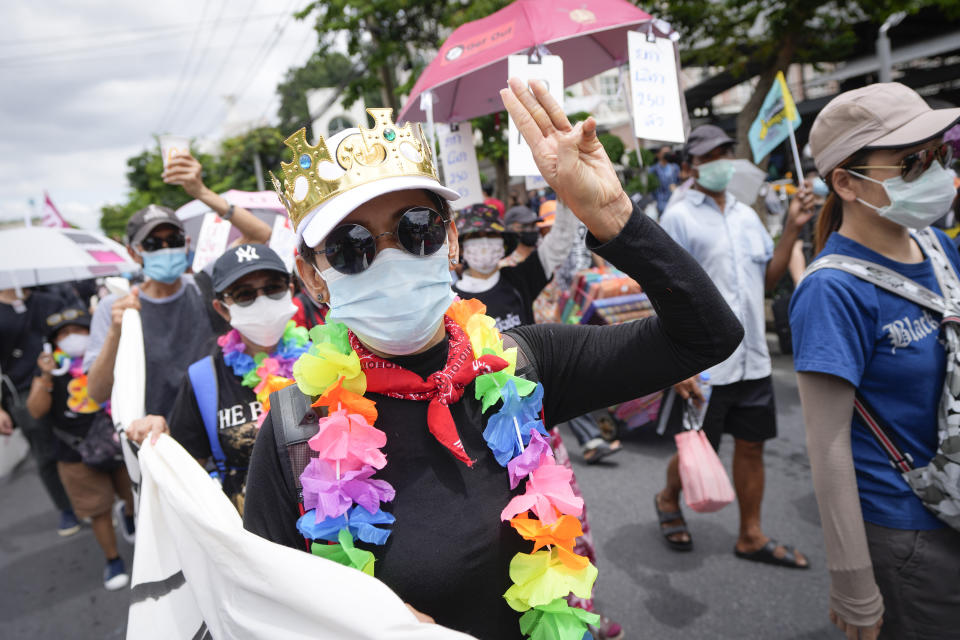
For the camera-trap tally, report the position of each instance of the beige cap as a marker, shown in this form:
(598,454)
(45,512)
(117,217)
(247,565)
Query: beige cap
(885,115)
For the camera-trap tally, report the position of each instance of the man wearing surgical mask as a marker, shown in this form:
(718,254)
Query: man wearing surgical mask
(217,410)
(175,308)
(730,242)
(176,325)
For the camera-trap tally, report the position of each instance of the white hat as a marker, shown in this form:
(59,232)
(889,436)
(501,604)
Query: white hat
(320,221)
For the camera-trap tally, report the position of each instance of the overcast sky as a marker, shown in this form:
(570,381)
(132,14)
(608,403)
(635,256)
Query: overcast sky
(86,84)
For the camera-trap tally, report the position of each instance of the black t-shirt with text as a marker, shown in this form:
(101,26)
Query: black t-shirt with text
(448,554)
(237,412)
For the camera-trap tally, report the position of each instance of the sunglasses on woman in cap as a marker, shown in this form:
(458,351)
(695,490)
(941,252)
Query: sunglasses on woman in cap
(351,248)
(914,165)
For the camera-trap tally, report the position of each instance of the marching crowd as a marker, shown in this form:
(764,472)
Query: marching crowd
(429,336)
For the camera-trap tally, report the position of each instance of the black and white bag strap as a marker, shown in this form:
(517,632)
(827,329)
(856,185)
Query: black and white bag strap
(884,278)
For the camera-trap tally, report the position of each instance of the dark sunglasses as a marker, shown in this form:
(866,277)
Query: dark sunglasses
(351,248)
(64,316)
(246,296)
(915,165)
(172,241)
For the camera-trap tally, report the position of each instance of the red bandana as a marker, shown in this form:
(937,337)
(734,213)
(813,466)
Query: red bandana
(442,388)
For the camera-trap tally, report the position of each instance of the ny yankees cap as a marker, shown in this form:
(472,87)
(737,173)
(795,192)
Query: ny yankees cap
(147,219)
(239,261)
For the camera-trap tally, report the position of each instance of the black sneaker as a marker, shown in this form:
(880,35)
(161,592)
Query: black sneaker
(69,524)
(115,575)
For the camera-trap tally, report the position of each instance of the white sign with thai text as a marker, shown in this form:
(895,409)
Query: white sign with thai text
(654,89)
(550,70)
(459,160)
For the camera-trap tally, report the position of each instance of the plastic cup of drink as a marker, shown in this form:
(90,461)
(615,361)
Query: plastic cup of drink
(171,146)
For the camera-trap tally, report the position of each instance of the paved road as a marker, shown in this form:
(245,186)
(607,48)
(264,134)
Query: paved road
(51,586)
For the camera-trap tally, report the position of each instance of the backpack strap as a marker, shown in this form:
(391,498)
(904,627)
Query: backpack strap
(899,459)
(294,423)
(203,379)
(882,277)
(943,270)
(526,367)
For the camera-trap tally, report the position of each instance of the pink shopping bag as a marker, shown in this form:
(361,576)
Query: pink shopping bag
(706,487)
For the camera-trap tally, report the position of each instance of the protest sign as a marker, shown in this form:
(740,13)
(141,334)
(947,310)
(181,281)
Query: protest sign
(459,160)
(550,70)
(654,89)
(211,241)
(283,240)
(534,183)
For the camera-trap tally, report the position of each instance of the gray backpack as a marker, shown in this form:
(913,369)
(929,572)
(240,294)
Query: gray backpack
(937,484)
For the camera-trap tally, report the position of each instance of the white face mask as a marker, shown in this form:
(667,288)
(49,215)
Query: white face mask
(483,254)
(916,204)
(74,345)
(264,321)
(396,305)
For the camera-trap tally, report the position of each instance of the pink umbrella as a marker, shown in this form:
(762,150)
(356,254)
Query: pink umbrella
(471,67)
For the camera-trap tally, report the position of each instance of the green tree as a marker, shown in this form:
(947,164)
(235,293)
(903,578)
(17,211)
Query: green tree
(613,145)
(323,69)
(384,37)
(757,38)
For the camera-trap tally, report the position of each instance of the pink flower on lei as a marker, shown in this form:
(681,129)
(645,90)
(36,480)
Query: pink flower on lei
(349,439)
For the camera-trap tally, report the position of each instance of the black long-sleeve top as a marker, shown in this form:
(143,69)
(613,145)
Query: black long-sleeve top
(448,553)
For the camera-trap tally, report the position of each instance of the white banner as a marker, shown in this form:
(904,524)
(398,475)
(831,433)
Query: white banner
(459,159)
(211,241)
(654,89)
(197,573)
(550,70)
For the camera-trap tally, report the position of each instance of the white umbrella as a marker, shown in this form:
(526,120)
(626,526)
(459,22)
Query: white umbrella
(31,256)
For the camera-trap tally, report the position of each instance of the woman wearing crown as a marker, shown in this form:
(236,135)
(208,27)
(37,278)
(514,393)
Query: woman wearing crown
(412,445)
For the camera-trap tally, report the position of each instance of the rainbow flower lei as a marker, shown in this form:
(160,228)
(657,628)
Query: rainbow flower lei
(343,499)
(265,374)
(79,400)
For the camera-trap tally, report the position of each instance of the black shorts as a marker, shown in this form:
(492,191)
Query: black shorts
(745,410)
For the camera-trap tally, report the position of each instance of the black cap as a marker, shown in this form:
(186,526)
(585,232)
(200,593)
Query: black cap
(521,214)
(239,261)
(65,318)
(705,139)
(147,219)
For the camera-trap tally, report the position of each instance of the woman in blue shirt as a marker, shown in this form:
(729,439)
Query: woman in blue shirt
(880,150)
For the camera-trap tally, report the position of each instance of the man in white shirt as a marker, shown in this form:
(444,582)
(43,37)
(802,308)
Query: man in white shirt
(730,242)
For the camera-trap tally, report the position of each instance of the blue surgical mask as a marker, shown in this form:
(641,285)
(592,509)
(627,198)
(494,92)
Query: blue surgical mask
(820,188)
(396,305)
(919,203)
(715,176)
(165,265)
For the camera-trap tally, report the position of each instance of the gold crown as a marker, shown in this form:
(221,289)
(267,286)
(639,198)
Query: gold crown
(386,151)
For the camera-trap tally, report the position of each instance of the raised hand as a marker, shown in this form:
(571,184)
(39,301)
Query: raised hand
(186,171)
(570,158)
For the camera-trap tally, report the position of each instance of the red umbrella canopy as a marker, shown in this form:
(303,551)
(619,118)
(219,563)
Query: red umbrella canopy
(471,67)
